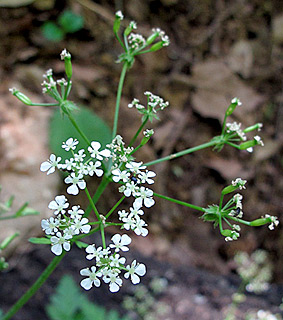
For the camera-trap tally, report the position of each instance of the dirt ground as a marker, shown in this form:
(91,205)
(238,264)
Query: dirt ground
(219,49)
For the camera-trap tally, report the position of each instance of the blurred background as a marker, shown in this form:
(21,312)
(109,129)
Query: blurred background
(219,50)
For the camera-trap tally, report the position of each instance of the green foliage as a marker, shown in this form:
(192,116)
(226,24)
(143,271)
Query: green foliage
(70,303)
(39,240)
(1,314)
(70,22)
(67,22)
(52,32)
(61,129)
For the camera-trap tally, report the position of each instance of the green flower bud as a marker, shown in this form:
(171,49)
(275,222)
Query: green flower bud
(234,103)
(23,98)
(151,38)
(259,222)
(229,189)
(118,17)
(248,144)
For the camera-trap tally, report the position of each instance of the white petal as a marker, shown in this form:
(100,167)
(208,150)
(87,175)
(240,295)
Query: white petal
(57,249)
(52,157)
(51,170)
(135,279)
(105,153)
(60,199)
(116,238)
(73,189)
(149,202)
(53,205)
(99,172)
(140,269)
(96,282)
(68,180)
(82,184)
(45,166)
(138,202)
(66,246)
(95,145)
(86,228)
(113,287)
(85,272)
(86,283)
(125,240)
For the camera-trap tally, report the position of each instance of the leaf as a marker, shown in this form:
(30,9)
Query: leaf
(25,211)
(66,301)
(61,129)
(81,244)
(71,22)
(39,240)
(52,32)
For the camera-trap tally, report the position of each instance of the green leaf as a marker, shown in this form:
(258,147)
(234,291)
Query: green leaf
(39,240)
(66,301)
(4,244)
(81,244)
(61,129)
(70,22)
(26,211)
(52,32)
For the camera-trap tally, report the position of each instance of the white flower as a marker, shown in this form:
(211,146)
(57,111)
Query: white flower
(93,168)
(120,242)
(120,175)
(136,210)
(145,195)
(76,182)
(119,15)
(135,167)
(58,241)
(238,200)
(70,144)
(92,277)
(239,183)
(274,221)
(134,271)
(146,177)
(129,188)
(258,140)
(95,153)
(79,157)
(129,223)
(81,226)
(50,226)
(115,282)
(122,214)
(76,212)
(69,164)
(82,168)
(140,229)
(59,204)
(116,261)
(93,252)
(237,101)
(50,164)
(65,54)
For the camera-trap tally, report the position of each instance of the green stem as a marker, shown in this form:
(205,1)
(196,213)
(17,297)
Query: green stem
(44,105)
(138,132)
(114,224)
(102,235)
(33,289)
(182,203)
(233,145)
(247,223)
(115,206)
(119,93)
(81,236)
(73,121)
(224,125)
(92,204)
(181,153)
(104,182)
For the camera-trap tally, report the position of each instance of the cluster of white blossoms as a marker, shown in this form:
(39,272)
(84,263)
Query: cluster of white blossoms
(49,84)
(109,264)
(64,225)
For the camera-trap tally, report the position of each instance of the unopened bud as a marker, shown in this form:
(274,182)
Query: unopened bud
(22,97)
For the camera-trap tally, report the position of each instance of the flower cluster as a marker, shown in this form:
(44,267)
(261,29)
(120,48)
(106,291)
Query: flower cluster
(154,104)
(64,225)
(109,265)
(77,166)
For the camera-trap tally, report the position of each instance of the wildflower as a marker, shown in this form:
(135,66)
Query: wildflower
(135,167)
(115,282)
(120,242)
(236,101)
(140,229)
(129,188)
(144,195)
(95,153)
(79,157)
(70,144)
(69,164)
(76,182)
(120,175)
(274,221)
(136,210)
(258,140)
(81,225)
(94,168)
(134,271)
(59,204)
(50,226)
(116,261)
(65,54)
(50,164)
(239,183)
(119,15)
(92,279)
(148,133)
(93,252)
(122,214)
(146,176)
(236,127)
(59,241)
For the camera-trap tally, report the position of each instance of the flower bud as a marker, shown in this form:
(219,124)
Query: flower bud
(68,107)
(118,17)
(151,38)
(157,46)
(234,103)
(22,97)
(259,222)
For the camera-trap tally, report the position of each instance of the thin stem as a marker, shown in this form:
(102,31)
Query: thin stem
(233,145)
(223,125)
(182,153)
(119,93)
(136,149)
(92,204)
(120,41)
(33,289)
(115,206)
(81,236)
(73,121)
(247,223)
(103,235)
(138,132)
(44,105)
(104,182)
(182,203)
(114,224)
